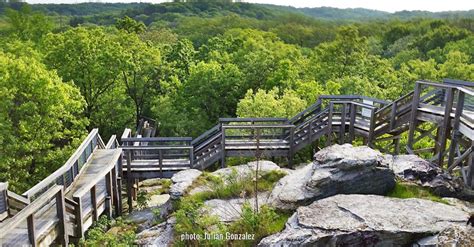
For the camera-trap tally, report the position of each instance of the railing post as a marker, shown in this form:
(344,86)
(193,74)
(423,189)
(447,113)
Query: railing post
(342,129)
(470,175)
(4,212)
(79,220)
(31,230)
(456,134)
(110,195)
(414,112)
(292,146)
(191,157)
(446,126)
(370,138)
(222,146)
(352,123)
(161,162)
(331,109)
(393,113)
(61,211)
(129,181)
(95,215)
(115,192)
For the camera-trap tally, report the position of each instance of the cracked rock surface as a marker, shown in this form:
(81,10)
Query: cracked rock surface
(338,169)
(366,220)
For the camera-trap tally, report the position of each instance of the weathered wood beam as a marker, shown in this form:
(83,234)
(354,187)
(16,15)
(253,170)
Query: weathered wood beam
(445,128)
(413,118)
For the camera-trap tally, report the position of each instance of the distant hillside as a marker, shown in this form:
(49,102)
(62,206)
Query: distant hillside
(148,13)
(366,14)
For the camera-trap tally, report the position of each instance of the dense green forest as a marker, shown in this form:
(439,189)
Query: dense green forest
(66,69)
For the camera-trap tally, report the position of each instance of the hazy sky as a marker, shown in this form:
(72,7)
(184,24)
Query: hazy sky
(386,5)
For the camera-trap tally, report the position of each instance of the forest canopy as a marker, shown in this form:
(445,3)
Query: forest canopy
(65,69)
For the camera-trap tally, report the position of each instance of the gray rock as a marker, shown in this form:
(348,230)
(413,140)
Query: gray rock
(338,169)
(417,170)
(365,220)
(159,235)
(230,210)
(181,182)
(146,217)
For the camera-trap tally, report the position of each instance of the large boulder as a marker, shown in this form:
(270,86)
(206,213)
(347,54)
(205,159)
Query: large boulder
(338,169)
(417,170)
(182,181)
(365,220)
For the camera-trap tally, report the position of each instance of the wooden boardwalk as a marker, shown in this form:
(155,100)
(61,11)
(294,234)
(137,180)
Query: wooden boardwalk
(58,211)
(62,207)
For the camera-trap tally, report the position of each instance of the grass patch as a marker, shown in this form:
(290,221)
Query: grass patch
(235,185)
(404,190)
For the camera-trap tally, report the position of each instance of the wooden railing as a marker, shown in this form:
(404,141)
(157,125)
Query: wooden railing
(43,219)
(65,174)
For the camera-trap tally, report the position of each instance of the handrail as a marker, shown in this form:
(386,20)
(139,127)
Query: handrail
(48,181)
(301,114)
(112,143)
(157,139)
(17,197)
(258,126)
(205,134)
(11,223)
(126,133)
(224,120)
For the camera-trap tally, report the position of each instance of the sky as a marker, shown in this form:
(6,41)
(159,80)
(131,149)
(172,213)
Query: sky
(384,5)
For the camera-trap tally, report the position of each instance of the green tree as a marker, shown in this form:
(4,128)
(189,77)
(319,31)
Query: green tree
(40,120)
(130,25)
(89,57)
(27,24)
(270,104)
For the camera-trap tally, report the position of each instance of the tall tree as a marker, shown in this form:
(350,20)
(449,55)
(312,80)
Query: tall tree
(89,57)
(40,120)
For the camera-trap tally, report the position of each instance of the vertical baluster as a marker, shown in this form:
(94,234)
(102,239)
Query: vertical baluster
(31,230)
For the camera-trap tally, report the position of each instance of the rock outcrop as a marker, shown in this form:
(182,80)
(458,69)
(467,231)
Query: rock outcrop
(366,220)
(231,209)
(146,217)
(181,182)
(159,235)
(338,169)
(414,169)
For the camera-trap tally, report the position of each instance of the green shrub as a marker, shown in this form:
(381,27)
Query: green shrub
(99,234)
(142,199)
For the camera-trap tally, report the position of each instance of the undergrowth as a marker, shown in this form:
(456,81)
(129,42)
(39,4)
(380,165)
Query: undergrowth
(405,190)
(191,219)
(107,232)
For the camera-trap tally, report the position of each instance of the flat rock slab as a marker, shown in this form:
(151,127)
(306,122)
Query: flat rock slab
(159,235)
(146,217)
(365,220)
(338,169)
(181,182)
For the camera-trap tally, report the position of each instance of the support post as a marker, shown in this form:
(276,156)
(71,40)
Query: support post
(120,200)
(328,139)
(31,230)
(470,174)
(455,133)
(342,130)
(115,192)
(370,138)
(413,117)
(79,220)
(95,216)
(393,114)
(160,162)
(110,195)
(222,146)
(446,126)
(353,112)
(129,181)
(291,147)
(61,212)
(191,157)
